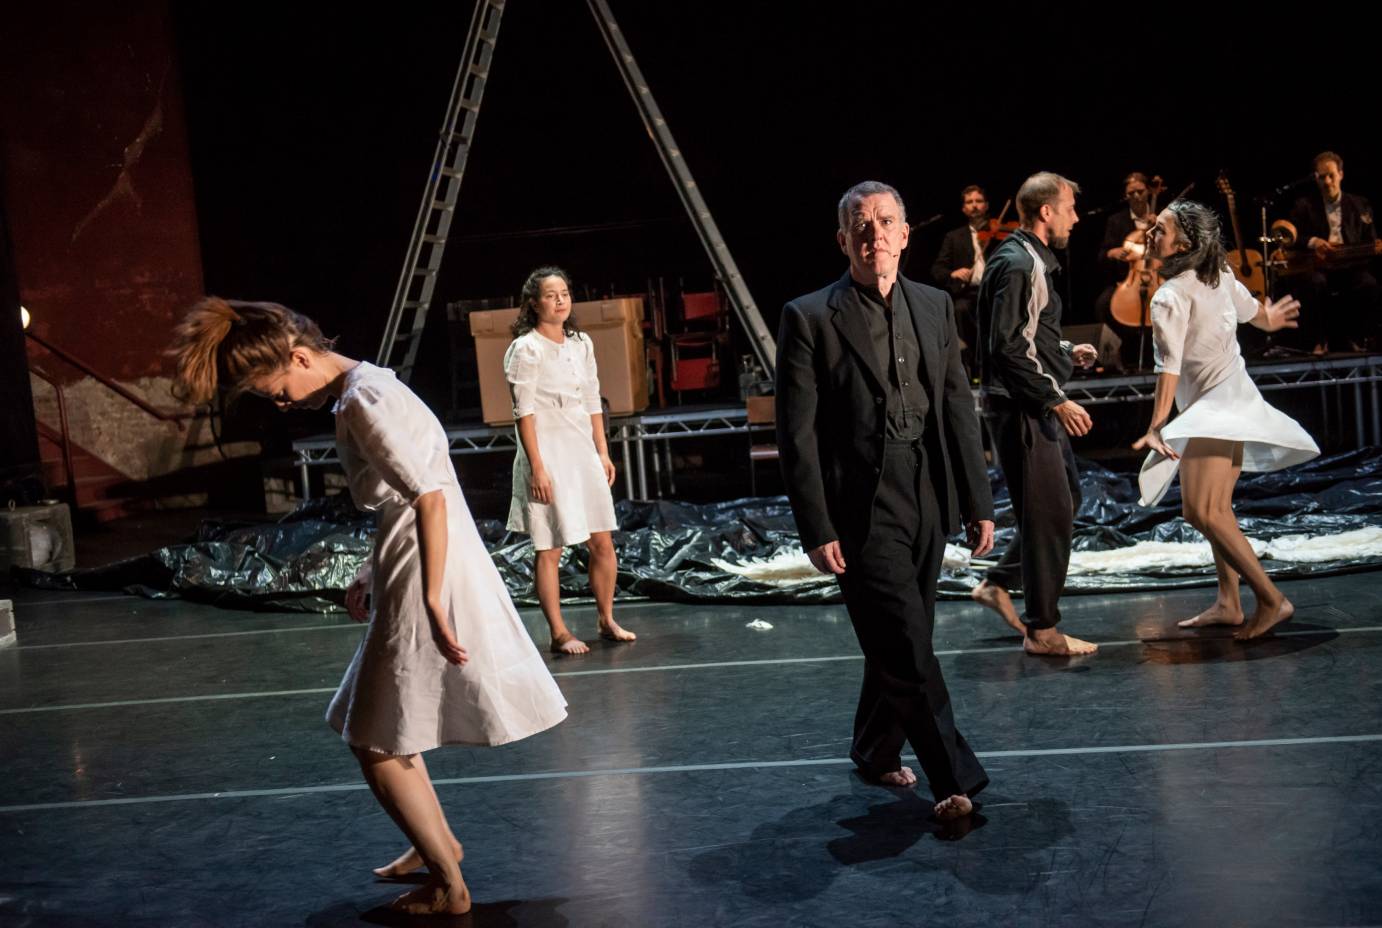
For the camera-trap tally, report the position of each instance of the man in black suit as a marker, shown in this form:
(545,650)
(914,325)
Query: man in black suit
(1325,221)
(881,455)
(959,266)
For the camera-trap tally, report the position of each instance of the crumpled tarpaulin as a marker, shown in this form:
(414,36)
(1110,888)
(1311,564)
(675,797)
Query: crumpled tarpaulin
(668,550)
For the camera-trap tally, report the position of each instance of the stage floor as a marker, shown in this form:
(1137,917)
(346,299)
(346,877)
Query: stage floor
(166,764)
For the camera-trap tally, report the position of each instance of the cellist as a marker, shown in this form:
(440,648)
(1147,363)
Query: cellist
(1122,227)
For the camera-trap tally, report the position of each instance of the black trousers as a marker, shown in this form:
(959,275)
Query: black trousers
(965,305)
(1044,485)
(889,585)
(1338,307)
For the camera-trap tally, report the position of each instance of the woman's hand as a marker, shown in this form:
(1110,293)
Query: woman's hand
(1281,314)
(540,485)
(357,594)
(608,465)
(443,637)
(1154,441)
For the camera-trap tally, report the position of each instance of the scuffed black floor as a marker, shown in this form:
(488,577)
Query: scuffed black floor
(187,778)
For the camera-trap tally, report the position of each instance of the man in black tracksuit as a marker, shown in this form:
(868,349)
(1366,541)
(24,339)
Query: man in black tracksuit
(1025,363)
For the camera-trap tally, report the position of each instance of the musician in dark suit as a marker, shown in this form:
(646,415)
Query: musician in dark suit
(1114,257)
(1340,305)
(959,267)
(881,456)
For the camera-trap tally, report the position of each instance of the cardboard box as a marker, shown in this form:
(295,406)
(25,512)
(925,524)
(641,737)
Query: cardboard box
(38,537)
(615,327)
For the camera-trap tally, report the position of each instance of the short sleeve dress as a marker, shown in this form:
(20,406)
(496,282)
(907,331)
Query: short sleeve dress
(1195,335)
(557,384)
(399,695)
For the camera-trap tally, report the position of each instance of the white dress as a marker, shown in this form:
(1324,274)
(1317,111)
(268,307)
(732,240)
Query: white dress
(558,385)
(399,695)
(1195,335)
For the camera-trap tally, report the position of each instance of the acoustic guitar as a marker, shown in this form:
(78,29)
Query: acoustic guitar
(1246,263)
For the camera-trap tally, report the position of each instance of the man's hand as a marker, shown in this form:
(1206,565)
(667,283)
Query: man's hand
(1280,314)
(979,537)
(1320,246)
(962,273)
(1073,418)
(1084,355)
(828,558)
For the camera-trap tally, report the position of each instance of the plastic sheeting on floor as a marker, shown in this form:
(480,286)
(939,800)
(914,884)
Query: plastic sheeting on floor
(748,550)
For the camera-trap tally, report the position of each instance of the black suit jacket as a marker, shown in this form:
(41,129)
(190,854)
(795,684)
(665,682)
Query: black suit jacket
(832,411)
(957,251)
(1310,220)
(1117,228)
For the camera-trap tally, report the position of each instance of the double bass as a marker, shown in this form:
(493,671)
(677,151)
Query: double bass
(1132,298)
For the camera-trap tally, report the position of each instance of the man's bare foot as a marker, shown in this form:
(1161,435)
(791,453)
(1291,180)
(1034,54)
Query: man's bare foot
(434,899)
(997,599)
(1047,642)
(569,644)
(1265,619)
(409,861)
(957,806)
(1217,614)
(901,777)
(610,630)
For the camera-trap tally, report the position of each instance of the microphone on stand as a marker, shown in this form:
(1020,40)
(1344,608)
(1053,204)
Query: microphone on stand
(1298,182)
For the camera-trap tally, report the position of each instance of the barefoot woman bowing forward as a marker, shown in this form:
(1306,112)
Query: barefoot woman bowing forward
(1223,426)
(562,472)
(445,659)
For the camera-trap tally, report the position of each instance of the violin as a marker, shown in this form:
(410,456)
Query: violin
(996,230)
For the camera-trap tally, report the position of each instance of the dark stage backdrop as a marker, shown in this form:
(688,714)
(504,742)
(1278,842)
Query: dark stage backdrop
(312,129)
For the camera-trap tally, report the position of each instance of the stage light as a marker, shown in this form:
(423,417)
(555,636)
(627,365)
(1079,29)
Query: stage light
(23,317)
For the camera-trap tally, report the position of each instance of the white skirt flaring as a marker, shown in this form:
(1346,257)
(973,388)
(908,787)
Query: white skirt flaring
(1233,410)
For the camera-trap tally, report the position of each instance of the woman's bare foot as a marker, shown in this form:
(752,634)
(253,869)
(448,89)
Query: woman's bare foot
(1217,614)
(957,806)
(569,644)
(409,861)
(1265,619)
(1047,642)
(901,777)
(434,898)
(997,599)
(610,630)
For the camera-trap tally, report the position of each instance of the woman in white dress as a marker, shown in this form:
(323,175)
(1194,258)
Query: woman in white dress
(1223,426)
(562,472)
(445,659)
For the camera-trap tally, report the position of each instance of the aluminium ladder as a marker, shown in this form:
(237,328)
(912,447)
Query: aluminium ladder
(416,283)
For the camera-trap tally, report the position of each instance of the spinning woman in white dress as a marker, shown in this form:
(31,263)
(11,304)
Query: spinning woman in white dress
(412,685)
(562,472)
(1223,426)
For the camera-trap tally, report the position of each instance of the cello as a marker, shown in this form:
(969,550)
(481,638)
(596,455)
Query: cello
(1132,298)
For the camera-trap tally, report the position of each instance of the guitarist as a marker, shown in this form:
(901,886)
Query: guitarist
(1325,221)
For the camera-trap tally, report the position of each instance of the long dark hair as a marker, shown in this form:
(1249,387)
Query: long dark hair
(527,302)
(1200,228)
